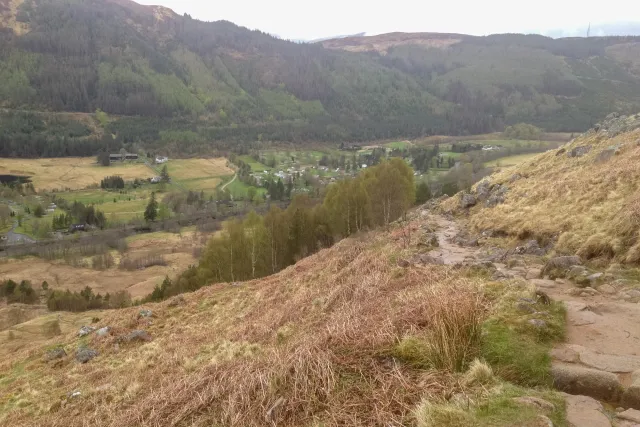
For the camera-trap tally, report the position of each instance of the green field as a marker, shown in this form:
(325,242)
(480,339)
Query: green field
(239,189)
(254,165)
(400,145)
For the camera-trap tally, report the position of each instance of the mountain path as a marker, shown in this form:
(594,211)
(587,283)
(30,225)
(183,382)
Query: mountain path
(603,331)
(232,179)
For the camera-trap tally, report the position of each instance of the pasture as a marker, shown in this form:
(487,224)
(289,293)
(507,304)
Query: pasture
(70,173)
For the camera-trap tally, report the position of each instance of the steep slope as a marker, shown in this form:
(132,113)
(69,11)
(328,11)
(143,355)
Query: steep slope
(583,197)
(354,335)
(220,82)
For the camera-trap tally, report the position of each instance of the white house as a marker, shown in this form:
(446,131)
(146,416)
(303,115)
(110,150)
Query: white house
(156,179)
(161,159)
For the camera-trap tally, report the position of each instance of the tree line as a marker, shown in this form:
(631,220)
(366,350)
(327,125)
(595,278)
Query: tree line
(261,245)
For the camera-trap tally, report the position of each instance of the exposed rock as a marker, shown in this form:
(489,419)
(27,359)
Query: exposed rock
(467,200)
(533,273)
(565,354)
(561,263)
(515,177)
(56,353)
(607,289)
(530,248)
(606,154)
(145,313)
(428,240)
(535,402)
(103,332)
(606,362)
(588,382)
(545,421)
(177,300)
(579,151)
(83,355)
(497,196)
(632,295)
(631,397)
(483,190)
(526,307)
(595,278)
(537,323)
(85,330)
(137,335)
(632,415)
(584,411)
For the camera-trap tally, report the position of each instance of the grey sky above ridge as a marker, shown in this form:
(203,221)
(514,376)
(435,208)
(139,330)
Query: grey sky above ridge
(311,20)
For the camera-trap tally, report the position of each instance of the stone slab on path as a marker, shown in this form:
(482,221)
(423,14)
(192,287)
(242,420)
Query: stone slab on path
(620,364)
(584,411)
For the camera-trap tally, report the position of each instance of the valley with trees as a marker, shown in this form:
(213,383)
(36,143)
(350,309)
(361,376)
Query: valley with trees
(206,225)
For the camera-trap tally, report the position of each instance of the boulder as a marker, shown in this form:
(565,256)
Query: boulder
(145,313)
(83,355)
(533,273)
(515,177)
(535,402)
(595,278)
(531,247)
(85,330)
(631,396)
(630,415)
(103,332)
(561,263)
(579,151)
(584,411)
(429,240)
(632,295)
(177,300)
(537,323)
(588,382)
(483,190)
(497,196)
(525,307)
(607,289)
(56,353)
(467,200)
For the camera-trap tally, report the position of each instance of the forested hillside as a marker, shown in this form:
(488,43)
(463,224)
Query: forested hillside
(164,80)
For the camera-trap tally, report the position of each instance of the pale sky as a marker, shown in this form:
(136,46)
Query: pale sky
(295,19)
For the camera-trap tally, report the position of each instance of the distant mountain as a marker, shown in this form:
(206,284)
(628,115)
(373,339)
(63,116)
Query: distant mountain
(598,30)
(168,79)
(336,37)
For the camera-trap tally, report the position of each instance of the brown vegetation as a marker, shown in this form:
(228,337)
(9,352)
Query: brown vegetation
(587,205)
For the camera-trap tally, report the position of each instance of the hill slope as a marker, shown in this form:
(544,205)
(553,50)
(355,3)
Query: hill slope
(343,337)
(582,197)
(222,82)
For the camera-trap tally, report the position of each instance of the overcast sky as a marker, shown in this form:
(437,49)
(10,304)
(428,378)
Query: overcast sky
(296,19)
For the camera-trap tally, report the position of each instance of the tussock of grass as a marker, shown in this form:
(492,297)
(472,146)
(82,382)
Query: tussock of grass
(429,414)
(479,372)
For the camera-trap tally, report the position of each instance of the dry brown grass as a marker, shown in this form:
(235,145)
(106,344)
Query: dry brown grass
(591,208)
(175,249)
(71,173)
(310,345)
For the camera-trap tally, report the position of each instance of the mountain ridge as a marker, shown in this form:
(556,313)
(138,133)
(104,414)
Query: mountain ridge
(172,73)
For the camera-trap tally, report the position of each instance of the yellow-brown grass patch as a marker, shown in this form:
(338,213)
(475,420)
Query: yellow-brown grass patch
(592,208)
(70,173)
(311,345)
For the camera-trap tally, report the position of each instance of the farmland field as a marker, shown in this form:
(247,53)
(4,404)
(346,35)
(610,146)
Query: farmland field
(198,174)
(70,173)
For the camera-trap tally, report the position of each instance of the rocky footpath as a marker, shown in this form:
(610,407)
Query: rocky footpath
(600,360)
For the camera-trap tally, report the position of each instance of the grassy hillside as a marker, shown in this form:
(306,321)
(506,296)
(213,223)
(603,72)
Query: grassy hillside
(343,337)
(583,197)
(169,81)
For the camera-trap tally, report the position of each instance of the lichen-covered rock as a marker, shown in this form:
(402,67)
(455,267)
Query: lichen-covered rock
(579,151)
(145,313)
(56,353)
(103,332)
(85,330)
(84,355)
(467,200)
